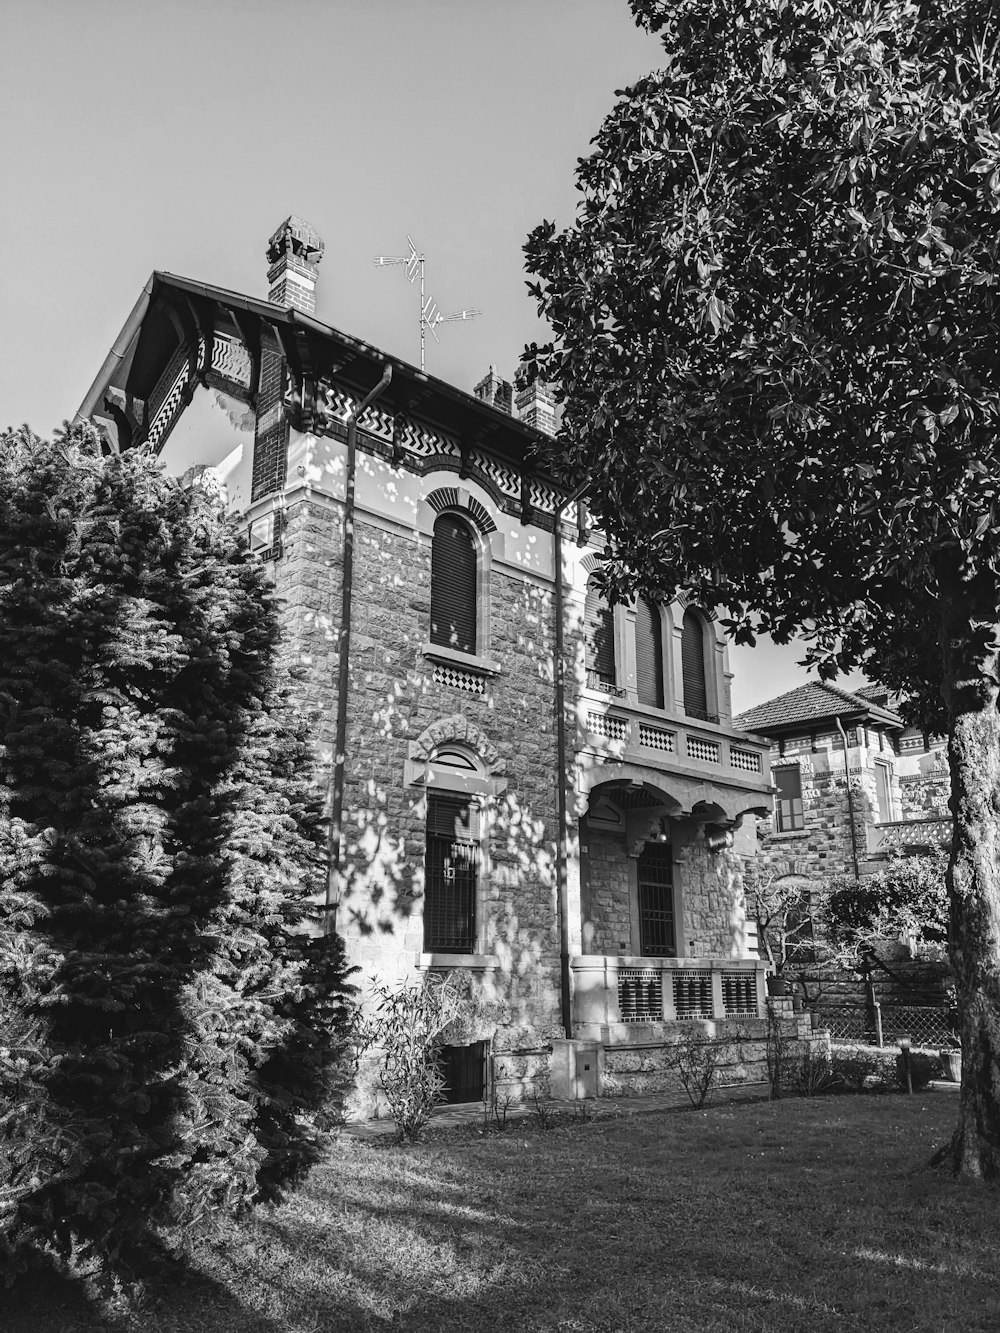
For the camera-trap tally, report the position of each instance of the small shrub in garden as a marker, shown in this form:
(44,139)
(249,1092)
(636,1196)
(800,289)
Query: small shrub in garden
(863,1069)
(697,1061)
(923,1067)
(814,1075)
(407,1027)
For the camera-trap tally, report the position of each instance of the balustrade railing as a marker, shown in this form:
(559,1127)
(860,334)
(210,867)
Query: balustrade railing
(907,833)
(666,990)
(706,750)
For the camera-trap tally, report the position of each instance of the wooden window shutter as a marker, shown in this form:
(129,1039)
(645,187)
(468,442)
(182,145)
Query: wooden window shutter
(649,654)
(599,620)
(454,579)
(693,666)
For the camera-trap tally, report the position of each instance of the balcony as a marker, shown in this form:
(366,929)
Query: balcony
(628,994)
(907,835)
(646,738)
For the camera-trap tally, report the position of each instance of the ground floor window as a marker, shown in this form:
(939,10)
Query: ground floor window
(657,936)
(451,874)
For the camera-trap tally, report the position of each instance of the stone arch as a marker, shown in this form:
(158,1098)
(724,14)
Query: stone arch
(456,497)
(457,728)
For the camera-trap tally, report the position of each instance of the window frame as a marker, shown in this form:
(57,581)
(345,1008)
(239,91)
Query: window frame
(780,825)
(480,623)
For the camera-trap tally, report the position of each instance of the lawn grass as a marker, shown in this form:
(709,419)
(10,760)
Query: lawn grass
(797,1215)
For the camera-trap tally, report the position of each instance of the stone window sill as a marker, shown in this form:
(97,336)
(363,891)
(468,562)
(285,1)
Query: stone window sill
(796,835)
(482,666)
(472,961)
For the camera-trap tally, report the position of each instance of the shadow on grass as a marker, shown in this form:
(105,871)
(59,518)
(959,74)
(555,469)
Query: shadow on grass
(46,1300)
(763,1218)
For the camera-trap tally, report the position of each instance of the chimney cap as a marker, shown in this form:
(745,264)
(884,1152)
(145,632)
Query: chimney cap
(295,236)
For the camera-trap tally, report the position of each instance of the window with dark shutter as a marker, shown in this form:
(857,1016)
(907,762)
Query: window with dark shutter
(451,874)
(599,629)
(648,654)
(693,666)
(656,902)
(788,802)
(454,580)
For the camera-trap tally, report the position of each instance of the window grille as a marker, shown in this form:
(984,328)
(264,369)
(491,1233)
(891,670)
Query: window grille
(656,901)
(599,637)
(655,738)
(745,759)
(739,994)
(648,653)
(615,728)
(640,994)
(693,665)
(788,802)
(697,748)
(692,993)
(454,579)
(451,874)
(469,681)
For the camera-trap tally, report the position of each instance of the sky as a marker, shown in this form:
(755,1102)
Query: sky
(177,134)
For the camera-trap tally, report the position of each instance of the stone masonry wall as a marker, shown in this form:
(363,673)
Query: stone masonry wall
(713,903)
(607,925)
(393,700)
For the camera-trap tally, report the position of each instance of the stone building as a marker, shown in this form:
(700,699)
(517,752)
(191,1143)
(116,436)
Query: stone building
(854,784)
(526,785)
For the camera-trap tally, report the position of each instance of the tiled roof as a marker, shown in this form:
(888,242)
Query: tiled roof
(809,703)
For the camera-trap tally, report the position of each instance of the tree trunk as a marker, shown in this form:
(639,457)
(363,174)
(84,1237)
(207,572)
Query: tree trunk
(970,690)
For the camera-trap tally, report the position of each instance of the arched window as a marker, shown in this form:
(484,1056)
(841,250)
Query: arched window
(599,630)
(454,585)
(453,853)
(648,653)
(693,666)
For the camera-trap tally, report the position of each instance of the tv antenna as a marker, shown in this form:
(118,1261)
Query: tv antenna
(430,315)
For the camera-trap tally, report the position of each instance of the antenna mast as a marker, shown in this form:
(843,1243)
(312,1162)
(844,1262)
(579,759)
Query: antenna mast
(430,316)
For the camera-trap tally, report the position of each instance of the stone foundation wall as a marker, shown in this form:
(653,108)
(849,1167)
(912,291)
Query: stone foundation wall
(646,1064)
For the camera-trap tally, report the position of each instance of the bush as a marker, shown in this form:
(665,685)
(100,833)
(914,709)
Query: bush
(923,1067)
(168,1037)
(862,1069)
(407,1029)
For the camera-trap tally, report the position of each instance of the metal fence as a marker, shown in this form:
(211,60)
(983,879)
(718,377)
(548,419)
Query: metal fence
(883,1025)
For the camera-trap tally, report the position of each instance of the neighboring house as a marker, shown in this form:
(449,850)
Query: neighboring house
(854,784)
(535,787)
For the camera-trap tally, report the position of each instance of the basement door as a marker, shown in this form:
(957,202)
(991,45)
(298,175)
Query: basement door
(464,1070)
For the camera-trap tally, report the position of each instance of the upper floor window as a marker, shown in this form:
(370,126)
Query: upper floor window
(788,802)
(454,585)
(693,667)
(648,653)
(599,634)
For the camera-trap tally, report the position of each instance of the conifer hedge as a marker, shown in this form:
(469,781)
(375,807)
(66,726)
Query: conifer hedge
(172,1026)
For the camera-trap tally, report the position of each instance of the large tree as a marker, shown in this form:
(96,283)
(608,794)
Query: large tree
(169,1027)
(775,341)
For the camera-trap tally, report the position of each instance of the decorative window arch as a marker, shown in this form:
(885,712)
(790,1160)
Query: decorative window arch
(454,585)
(693,665)
(649,653)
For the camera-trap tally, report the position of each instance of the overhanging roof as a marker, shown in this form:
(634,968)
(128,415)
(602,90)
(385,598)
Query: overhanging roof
(805,707)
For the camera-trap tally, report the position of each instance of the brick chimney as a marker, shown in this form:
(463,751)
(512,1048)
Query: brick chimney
(294,253)
(535,406)
(495,391)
